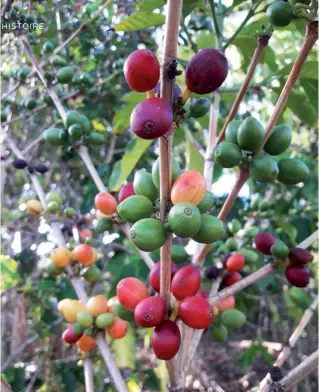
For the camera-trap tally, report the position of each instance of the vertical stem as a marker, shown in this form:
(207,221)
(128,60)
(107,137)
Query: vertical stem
(262,43)
(174,10)
(88,374)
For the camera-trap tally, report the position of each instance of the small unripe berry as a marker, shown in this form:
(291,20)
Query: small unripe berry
(166,340)
(151,118)
(142,70)
(69,336)
(186,282)
(150,312)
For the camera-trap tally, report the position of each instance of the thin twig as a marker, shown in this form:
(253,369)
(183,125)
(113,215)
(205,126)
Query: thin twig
(219,35)
(88,374)
(286,351)
(262,43)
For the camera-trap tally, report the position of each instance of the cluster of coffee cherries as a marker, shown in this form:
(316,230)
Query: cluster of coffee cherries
(153,117)
(296,271)
(21,164)
(77,130)
(244,138)
(188,218)
(86,320)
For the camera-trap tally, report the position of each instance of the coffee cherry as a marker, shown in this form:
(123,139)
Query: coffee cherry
(71,308)
(231,131)
(77,329)
(150,312)
(41,168)
(176,171)
(155,275)
(126,191)
(219,332)
(179,254)
(251,257)
(131,291)
(292,171)
(151,118)
(166,340)
(235,262)
(55,136)
(19,164)
(69,336)
(186,282)
(279,250)
(250,135)
(148,234)
(227,154)
(85,319)
(211,230)
(66,302)
(264,242)
(190,187)
(206,203)
(195,312)
(212,272)
(121,312)
(297,275)
(65,75)
(275,373)
(300,256)
(279,140)
(280,13)
(263,169)
(142,70)
(176,90)
(34,207)
(199,107)
(85,233)
(144,186)
(92,273)
(232,278)
(106,203)
(54,196)
(61,257)
(206,71)
(233,318)
(202,294)
(97,305)
(118,329)
(104,320)
(53,270)
(86,343)
(135,208)
(85,254)
(231,244)
(184,220)
(225,304)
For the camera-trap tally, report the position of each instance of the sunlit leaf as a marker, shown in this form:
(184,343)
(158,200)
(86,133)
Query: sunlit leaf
(125,352)
(9,272)
(140,21)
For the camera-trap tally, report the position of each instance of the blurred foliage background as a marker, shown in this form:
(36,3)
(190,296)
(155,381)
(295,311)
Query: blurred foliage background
(33,355)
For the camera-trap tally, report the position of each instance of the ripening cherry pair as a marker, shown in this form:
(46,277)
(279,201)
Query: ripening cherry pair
(153,117)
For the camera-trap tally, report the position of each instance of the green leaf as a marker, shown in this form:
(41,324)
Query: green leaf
(194,159)
(89,66)
(311,90)
(253,27)
(123,168)
(309,70)
(299,104)
(150,5)
(288,228)
(125,350)
(122,116)
(300,25)
(190,5)
(140,21)
(9,272)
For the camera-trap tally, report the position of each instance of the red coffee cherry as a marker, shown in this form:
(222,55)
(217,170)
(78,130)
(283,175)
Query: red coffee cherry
(166,340)
(69,336)
(130,292)
(155,275)
(150,312)
(142,70)
(202,294)
(297,275)
(299,256)
(235,262)
(126,191)
(232,278)
(151,118)
(264,242)
(186,282)
(206,71)
(195,312)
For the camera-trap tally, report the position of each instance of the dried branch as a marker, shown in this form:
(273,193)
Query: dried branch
(88,374)
(286,351)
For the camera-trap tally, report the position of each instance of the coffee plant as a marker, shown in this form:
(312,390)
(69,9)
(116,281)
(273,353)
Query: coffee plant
(159,188)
